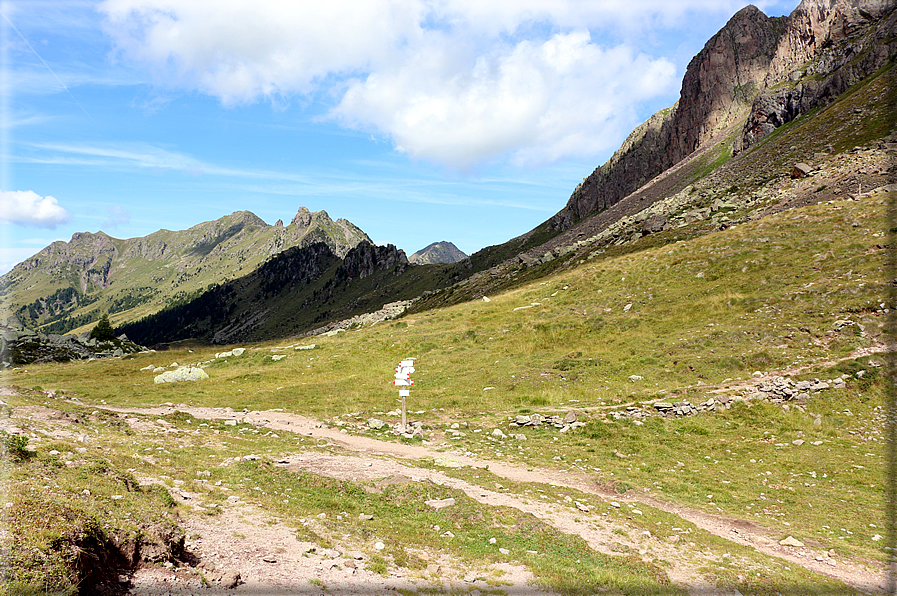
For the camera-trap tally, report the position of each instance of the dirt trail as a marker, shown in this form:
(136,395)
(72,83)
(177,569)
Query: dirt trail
(591,528)
(271,561)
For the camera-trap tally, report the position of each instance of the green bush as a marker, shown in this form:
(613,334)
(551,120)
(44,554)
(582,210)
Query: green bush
(103,330)
(13,446)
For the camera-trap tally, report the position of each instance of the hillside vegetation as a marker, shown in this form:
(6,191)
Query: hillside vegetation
(796,293)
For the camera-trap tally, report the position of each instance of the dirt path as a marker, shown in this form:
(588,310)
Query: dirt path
(271,561)
(597,532)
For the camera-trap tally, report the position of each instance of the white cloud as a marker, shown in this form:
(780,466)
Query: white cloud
(240,50)
(539,101)
(27,208)
(454,81)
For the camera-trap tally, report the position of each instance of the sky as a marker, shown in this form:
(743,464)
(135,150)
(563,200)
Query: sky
(470,121)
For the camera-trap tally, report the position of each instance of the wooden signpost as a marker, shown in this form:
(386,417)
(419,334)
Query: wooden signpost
(403,379)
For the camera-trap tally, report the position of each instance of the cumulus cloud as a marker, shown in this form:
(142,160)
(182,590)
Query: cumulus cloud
(537,101)
(27,208)
(454,81)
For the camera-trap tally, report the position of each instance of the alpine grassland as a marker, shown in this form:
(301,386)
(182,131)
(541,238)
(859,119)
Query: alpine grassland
(798,293)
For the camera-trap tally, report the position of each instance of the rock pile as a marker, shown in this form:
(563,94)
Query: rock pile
(779,389)
(568,422)
(776,389)
(686,408)
(387,312)
(20,345)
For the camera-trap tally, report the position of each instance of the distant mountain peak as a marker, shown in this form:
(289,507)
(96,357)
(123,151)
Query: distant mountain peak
(438,252)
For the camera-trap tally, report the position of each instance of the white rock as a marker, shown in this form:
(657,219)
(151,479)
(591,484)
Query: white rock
(498,434)
(791,541)
(627,307)
(277,357)
(379,545)
(186,373)
(440,503)
(447,462)
(308,347)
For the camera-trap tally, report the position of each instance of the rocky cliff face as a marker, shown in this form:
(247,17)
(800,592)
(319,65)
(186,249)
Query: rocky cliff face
(719,86)
(366,259)
(828,46)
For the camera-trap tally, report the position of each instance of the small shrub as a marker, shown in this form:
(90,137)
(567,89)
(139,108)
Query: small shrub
(14,447)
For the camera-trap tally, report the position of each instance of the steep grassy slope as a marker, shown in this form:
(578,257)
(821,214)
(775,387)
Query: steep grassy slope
(846,142)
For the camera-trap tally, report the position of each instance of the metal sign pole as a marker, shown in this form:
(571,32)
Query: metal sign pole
(404,415)
(403,379)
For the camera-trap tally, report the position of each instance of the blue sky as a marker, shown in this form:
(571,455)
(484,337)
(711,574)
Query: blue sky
(417,120)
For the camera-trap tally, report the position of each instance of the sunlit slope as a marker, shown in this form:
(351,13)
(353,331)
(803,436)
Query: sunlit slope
(69,285)
(689,318)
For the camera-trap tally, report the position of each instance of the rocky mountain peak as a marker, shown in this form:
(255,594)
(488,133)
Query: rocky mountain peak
(437,252)
(718,88)
(304,218)
(827,46)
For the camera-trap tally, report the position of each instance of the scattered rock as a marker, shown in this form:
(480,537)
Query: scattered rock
(447,462)
(791,541)
(185,373)
(438,504)
(801,170)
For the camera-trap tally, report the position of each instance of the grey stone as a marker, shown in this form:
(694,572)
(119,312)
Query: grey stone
(438,504)
(185,373)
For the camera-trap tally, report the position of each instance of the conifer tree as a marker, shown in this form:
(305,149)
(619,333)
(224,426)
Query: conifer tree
(103,330)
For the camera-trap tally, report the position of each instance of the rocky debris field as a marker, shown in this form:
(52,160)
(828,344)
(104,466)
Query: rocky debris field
(20,345)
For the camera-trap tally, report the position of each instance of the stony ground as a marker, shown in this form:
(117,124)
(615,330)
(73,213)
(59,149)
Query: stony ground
(269,559)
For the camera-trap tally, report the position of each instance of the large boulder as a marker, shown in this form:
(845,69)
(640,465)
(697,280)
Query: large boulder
(184,373)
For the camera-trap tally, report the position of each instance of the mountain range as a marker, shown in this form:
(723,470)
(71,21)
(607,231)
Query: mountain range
(815,89)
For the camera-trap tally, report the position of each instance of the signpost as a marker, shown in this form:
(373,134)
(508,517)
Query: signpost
(403,379)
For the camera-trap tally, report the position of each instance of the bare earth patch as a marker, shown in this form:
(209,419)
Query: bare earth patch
(597,532)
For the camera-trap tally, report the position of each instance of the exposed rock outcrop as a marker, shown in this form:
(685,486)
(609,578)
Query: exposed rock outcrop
(718,89)
(366,259)
(828,46)
(20,345)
